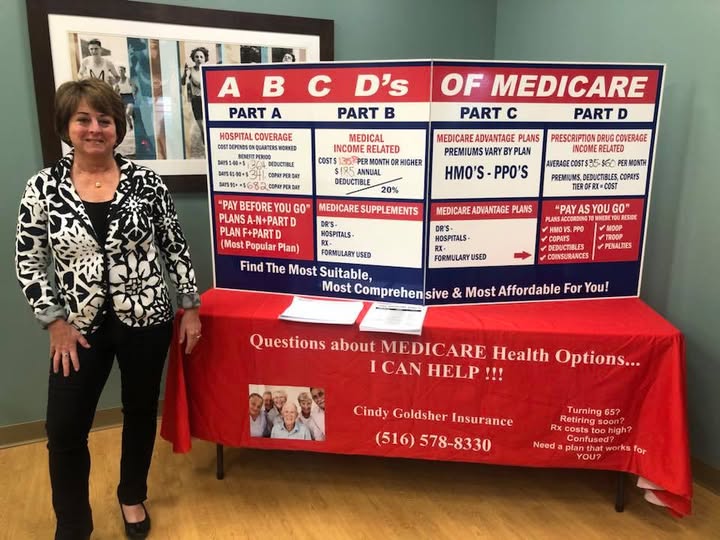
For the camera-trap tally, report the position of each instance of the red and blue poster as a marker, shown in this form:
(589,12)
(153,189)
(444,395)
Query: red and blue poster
(431,182)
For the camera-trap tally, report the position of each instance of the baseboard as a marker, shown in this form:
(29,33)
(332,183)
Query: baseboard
(706,476)
(30,432)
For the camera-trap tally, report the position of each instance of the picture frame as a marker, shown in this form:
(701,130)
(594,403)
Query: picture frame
(152,43)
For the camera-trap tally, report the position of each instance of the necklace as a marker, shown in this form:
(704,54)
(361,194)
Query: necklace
(100,174)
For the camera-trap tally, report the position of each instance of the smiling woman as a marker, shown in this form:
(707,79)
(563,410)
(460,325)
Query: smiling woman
(101,221)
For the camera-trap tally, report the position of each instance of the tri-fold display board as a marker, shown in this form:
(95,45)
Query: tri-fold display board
(433,182)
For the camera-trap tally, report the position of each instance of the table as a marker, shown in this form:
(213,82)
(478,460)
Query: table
(596,384)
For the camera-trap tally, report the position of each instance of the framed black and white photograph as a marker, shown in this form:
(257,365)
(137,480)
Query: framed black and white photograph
(151,54)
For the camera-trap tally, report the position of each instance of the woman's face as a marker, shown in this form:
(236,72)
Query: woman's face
(288,58)
(91,133)
(255,406)
(199,58)
(306,406)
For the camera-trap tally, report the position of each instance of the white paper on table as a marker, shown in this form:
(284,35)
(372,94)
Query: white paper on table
(397,318)
(313,310)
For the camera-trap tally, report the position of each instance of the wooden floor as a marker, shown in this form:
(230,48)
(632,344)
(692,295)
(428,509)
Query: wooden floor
(271,495)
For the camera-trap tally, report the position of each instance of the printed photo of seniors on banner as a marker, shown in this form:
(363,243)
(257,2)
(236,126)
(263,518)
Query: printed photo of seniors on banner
(287,412)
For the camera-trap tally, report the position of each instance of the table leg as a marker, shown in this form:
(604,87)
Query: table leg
(620,492)
(220,469)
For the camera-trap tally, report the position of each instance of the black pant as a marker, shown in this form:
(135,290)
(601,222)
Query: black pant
(71,408)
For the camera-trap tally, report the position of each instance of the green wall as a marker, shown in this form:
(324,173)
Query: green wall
(682,259)
(369,29)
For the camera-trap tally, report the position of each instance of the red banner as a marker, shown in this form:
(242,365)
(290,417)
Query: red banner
(596,384)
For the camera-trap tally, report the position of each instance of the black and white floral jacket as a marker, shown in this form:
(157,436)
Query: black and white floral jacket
(142,227)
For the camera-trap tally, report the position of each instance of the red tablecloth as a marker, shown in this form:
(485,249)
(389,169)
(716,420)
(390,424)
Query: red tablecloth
(576,384)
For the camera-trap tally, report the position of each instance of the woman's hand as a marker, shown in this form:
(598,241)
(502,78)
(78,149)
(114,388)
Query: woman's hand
(63,346)
(190,327)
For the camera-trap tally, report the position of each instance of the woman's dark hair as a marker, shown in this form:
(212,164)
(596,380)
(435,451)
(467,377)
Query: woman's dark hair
(96,93)
(202,50)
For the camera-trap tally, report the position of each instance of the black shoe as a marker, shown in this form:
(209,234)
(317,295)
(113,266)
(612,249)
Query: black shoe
(139,529)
